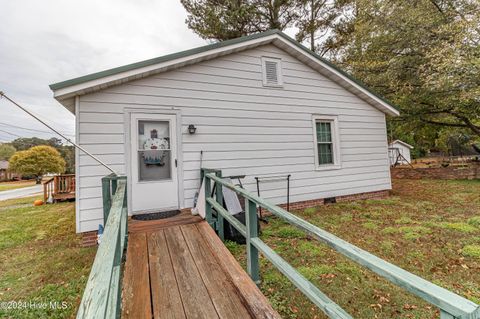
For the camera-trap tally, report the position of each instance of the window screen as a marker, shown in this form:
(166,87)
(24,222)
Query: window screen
(324,142)
(154,153)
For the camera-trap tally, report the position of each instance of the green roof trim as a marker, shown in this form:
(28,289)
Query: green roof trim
(186,53)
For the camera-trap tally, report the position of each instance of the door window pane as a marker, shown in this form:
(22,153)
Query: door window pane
(154,153)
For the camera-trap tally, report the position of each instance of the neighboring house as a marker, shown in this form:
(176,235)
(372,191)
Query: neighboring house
(5,174)
(399,152)
(261,105)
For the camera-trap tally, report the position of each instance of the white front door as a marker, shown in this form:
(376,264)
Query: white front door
(153,162)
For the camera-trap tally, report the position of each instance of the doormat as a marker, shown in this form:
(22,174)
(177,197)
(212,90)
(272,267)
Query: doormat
(155,216)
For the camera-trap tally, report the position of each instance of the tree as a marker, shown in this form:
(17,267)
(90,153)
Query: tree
(24,143)
(6,151)
(66,151)
(423,55)
(454,142)
(37,161)
(274,14)
(227,19)
(314,22)
(68,154)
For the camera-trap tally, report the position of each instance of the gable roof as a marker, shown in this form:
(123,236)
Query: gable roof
(65,91)
(403,143)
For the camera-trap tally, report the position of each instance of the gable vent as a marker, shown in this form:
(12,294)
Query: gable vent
(272,72)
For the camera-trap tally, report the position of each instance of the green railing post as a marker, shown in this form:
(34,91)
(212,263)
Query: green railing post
(253,268)
(107,198)
(219,197)
(114,185)
(208,207)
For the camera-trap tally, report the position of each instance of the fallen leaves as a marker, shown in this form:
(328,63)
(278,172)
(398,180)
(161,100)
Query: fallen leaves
(409,307)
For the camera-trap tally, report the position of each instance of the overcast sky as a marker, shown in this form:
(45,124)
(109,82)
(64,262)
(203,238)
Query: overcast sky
(43,42)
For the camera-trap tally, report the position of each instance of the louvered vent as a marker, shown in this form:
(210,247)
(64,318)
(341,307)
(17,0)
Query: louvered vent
(272,72)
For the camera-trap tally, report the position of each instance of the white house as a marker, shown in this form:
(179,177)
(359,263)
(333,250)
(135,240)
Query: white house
(399,152)
(261,105)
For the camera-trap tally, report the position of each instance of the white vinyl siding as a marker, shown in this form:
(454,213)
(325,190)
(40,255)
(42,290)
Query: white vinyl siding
(243,127)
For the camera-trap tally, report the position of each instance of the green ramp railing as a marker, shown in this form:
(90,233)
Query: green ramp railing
(102,295)
(450,304)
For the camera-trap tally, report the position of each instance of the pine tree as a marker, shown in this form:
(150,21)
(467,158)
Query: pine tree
(227,19)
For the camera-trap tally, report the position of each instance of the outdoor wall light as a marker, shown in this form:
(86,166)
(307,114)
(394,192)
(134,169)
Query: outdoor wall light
(191,129)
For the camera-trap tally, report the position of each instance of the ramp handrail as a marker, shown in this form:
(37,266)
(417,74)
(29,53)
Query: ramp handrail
(102,296)
(450,304)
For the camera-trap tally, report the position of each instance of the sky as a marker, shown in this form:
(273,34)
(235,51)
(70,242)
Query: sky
(44,42)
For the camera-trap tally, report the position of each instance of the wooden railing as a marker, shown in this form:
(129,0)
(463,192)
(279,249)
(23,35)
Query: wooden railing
(102,296)
(109,188)
(450,304)
(47,189)
(59,187)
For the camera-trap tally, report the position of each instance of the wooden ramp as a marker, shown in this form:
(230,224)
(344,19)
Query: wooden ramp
(179,268)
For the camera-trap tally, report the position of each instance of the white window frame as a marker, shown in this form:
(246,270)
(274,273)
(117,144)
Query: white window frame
(279,71)
(335,142)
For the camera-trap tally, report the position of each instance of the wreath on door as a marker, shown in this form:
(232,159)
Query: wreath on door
(156,149)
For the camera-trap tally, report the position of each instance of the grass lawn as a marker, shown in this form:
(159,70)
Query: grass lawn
(40,258)
(6,186)
(430,228)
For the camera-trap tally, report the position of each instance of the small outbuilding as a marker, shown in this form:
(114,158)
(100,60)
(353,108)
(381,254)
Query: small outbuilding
(399,153)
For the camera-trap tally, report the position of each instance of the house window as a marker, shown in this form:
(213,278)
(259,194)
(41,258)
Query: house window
(272,72)
(326,142)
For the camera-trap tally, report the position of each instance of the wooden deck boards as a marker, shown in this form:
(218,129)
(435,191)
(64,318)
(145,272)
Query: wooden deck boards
(136,281)
(163,282)
(183,218)
(172,271)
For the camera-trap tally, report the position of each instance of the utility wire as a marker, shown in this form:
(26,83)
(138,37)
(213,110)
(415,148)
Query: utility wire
(51,128)
(5,139)
(10,133)
(30,129)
